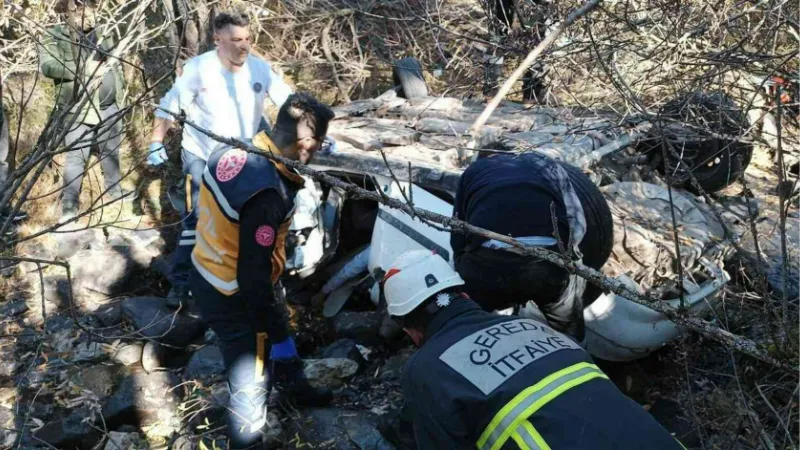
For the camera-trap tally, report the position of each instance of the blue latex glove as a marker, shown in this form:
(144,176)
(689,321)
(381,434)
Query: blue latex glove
(156,155)
(283,351)
(328,146)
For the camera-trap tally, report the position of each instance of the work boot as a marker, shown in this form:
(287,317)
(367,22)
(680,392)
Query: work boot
(178,295)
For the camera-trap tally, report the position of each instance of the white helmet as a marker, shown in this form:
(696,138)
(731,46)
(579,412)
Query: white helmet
(414,277)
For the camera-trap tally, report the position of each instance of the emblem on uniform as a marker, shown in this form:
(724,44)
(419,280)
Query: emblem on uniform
(430,280)
(257,86)
(443,299)
(265,235)
(230,164)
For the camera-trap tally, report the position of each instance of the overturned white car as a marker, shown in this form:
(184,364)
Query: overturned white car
(350,243)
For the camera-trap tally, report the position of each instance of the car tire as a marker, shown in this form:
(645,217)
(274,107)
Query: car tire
(716,163)
(407,75)
(596,246)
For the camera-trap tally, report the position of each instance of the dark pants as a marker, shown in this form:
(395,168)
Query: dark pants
(239,324)
(105,138)
(193,167)
(498,279)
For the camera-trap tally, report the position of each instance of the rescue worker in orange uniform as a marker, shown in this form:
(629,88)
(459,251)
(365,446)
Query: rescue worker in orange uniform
(493,382)
(244,210)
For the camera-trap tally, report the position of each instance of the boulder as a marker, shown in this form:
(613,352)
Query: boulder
(77,430)
(99,271)
(13,309)
(109,315)
(97,381)
(344,348)
(152,355)
(393,369)
(128,354)
(273,432)
(153,319)
(143,399)
(124,441)
(87,352)
(8,435)
(206,364)
(70,243)
(361,327)
(329,373)
(337,429)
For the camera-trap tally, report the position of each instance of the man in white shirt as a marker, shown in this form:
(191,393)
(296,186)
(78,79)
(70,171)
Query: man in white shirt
(222,91)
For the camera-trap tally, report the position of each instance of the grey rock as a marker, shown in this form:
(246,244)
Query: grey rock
(13,309)
(76,430)
(98,381)
(206,364)
(87,352)
(361,327)
(8,435)
(109,315)
(69,244)
(220,394)
(99,271)
(28,339)
(57,292)
(273,432)
(153,319)
(738,209)
(329,373)
(775,280)
(143,399)
(152,355)
(364,434)
(56,324)
(128,354)
(393,369)
(124,441)
(338,429)
(343,348)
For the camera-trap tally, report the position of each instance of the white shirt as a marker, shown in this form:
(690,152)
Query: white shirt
(226,103)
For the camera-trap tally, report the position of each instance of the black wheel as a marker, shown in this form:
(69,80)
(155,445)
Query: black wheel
(407,74)
(596,246)
(690,124)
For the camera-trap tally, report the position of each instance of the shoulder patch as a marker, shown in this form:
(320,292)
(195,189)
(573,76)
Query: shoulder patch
(265,235)
(230,164)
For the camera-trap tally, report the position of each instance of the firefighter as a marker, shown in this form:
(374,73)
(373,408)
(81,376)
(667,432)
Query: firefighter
(531,198)
(502,382)
(244,211)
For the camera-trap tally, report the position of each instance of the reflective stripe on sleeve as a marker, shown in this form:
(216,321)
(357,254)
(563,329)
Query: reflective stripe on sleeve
(510,420)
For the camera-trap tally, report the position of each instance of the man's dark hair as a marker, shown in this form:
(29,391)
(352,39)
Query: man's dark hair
(301,108)
(234,18)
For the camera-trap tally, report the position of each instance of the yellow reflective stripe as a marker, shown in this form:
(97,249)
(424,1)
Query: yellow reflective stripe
(521,442)
(532,399)
(527,438)
(226,287)
(535,435)
(680,443)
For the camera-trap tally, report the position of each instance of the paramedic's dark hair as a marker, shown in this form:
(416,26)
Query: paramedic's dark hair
(302,108)
(234,18)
